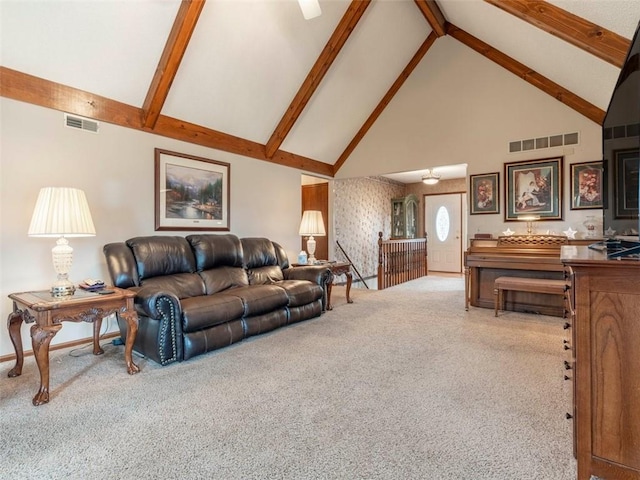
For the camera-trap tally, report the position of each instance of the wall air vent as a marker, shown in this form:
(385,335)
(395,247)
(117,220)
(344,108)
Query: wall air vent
(544,142)
(621,131)
(80,123)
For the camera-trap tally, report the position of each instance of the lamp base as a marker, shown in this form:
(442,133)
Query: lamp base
(62,288)
(62,255)
(311,248)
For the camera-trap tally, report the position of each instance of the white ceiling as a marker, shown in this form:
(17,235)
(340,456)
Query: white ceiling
(247,58)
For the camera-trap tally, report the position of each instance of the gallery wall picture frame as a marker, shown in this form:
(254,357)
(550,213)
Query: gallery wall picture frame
(587,184)
(626,183)
(533,188)
(191,193)
(485,193)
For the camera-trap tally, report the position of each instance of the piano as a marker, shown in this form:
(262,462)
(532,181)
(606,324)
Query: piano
(532,256)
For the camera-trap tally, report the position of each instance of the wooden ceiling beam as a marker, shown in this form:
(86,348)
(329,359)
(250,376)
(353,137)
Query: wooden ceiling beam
(534,78)
(37,91)
(45,93)
(176,46)
(433,15)
(331,50)
(413,63)
(192,133)
(599,41)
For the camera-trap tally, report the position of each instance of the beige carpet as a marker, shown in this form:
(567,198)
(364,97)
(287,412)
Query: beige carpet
(401,384)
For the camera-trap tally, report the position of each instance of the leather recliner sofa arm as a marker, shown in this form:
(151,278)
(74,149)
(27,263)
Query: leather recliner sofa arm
(158,304)
(317,274)
(161,337)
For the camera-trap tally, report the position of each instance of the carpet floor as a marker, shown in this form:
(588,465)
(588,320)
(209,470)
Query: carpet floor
(401,384)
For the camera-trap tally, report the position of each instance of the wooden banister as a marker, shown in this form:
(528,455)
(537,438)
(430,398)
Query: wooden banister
(400,260)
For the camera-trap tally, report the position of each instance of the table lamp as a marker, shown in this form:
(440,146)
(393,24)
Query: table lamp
(62,213)
(312,224)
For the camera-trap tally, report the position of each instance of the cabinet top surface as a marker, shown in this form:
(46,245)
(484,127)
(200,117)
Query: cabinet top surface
(575,255)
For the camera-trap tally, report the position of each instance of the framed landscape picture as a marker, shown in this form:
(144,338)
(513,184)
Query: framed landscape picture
(533,188)
(586,185)
(485,193)
(191,193)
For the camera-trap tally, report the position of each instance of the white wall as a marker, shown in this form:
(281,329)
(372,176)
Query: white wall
(116,170)
(459,107)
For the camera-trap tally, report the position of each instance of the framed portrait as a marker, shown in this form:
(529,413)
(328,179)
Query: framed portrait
(626,183)
(485,193)
(533,188)
(191,193)
(587,185)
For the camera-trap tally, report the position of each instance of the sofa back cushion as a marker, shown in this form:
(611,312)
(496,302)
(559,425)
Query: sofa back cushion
(121,264)
(283,260)
(219,261)
(161,255)
(212,251)
(261,261)
(222,278)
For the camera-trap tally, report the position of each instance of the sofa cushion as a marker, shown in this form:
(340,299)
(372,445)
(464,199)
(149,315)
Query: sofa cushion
(265,275)
(301,292)
(259,299)
(161,255)
(213,251)
(182,285)
(258,252)
(222,278)
(210,310)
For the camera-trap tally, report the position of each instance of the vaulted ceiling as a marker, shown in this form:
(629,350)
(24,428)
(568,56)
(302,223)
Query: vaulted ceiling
(253,77)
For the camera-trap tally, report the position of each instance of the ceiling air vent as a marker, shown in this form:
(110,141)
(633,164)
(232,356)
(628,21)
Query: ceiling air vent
(80,123)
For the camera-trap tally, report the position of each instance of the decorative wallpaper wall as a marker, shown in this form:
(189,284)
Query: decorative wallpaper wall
(362,208)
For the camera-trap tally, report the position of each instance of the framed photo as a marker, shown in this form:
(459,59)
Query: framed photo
(534,188)
(626,183)
(587,185)
(191,193)
(485,193)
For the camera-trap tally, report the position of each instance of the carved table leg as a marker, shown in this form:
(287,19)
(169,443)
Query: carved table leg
(14,323)
(329,285)
(349,281)
(41,338)
(97,325)
(132,329)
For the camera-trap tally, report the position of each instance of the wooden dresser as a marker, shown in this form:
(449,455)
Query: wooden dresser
(606,362)
(533,256)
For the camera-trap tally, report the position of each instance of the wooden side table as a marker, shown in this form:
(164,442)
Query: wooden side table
(339,268)
(47,313)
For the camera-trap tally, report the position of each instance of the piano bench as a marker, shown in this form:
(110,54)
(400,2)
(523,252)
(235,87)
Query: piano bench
(522,284)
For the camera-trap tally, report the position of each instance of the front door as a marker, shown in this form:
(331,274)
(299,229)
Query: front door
(443,220)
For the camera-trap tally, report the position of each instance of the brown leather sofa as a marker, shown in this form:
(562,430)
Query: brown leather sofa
(198,293)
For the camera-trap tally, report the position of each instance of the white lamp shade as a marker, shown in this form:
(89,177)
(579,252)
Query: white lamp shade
(312,223)
(61,212)
(310,9)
